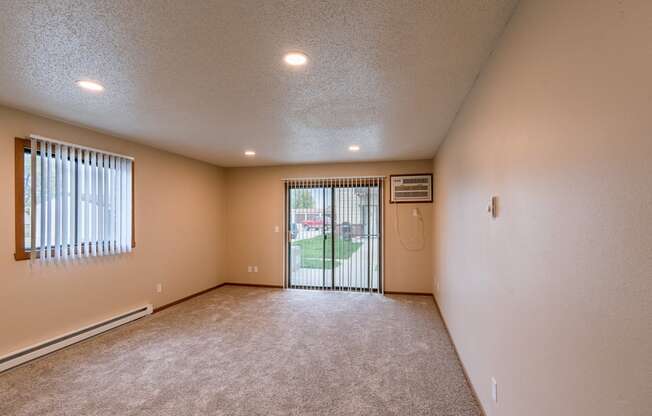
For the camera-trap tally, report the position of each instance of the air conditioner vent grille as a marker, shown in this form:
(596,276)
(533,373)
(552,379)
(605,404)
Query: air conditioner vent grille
(401,188)
(417,180)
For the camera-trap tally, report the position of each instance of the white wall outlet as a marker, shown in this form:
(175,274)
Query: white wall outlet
(255,269)
(437,286)
(494,390)
(250,269)
(159,287)
(277,229)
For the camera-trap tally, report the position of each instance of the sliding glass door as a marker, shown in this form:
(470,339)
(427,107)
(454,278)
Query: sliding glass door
(334,234)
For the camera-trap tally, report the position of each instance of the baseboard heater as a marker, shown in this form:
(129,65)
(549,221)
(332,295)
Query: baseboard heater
(30,353)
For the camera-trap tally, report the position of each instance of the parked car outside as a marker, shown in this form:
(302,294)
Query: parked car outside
(313,225)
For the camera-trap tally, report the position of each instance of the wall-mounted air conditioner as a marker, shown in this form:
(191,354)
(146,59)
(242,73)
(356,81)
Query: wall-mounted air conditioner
(410,188)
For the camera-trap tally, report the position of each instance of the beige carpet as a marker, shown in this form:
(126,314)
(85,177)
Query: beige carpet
(253,351)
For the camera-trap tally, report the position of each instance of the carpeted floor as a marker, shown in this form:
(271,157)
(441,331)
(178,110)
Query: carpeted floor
(254,351)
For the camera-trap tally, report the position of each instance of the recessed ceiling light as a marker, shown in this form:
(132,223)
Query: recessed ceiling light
(296,58)
(250,153)
(354,148)
(90,85)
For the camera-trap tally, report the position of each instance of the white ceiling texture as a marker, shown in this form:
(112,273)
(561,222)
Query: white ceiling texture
(206,79)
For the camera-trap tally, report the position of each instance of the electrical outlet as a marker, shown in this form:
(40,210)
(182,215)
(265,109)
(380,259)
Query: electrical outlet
(159,288)
(494,390)
(277,229)
(250,269)
(492,208)
(255,269)
(437,286)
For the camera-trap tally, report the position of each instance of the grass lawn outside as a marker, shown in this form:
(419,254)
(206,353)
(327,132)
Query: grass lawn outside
(314,263)
(313,253)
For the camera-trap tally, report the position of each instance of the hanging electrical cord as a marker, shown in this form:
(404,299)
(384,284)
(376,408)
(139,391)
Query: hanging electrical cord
(421,241)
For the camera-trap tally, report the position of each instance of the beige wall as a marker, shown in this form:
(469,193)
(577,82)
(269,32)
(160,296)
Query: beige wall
(180,236)
(182,211)
(554,297)
(255,207)
(183,216)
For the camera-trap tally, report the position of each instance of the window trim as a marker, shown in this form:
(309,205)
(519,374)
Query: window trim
(20,145)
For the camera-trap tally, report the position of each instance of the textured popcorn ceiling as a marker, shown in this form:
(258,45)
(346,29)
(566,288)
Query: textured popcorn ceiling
(207,80)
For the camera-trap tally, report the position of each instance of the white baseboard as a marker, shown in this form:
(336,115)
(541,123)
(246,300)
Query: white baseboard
(24,355)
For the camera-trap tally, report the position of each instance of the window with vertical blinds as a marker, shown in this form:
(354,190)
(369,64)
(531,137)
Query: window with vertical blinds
(76,201)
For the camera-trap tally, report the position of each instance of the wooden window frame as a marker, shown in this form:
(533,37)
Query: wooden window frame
(21,253)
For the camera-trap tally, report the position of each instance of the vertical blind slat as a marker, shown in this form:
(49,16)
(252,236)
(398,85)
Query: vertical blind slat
(48,210)
(65,212)
(122,205)
(32,209)
(118,206)
(128,208)
(109,205)
(100,204)
(87,203)
(92,205)
(41,146)
(114,205)
(73,202)
(125,224)
(106,190)
(58,195)
(55,200)
(349,183)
